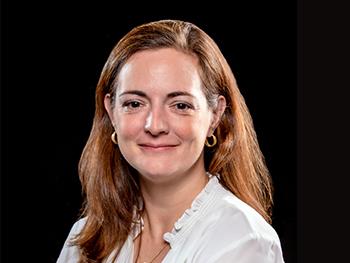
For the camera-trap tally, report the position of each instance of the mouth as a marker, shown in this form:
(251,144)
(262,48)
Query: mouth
(157,147)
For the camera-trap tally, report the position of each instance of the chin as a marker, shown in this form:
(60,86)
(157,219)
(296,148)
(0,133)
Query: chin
(158,175)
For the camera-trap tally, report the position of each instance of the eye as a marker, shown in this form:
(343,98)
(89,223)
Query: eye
(132,105)
(182,106)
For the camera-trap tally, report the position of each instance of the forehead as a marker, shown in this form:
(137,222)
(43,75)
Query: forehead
(166,68)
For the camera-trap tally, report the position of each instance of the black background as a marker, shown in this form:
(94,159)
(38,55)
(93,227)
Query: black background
(51,57)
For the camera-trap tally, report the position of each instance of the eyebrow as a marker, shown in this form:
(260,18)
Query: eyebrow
(170,95)
(179,93)
(133,92)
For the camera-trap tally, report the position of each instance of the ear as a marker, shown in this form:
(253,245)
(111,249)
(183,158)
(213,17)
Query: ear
(217,114)
(108,106)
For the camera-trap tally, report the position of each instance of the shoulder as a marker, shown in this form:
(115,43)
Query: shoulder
(77,226)
(69,252)
(234,230)
(233,227)
(234,215)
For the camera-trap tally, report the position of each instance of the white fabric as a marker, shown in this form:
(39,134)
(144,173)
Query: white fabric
(218,227)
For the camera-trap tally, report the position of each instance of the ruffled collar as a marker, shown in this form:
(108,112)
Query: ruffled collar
(188,218)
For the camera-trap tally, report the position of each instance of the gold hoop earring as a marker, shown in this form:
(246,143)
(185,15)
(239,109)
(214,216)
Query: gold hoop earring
(113,138)
(213,143)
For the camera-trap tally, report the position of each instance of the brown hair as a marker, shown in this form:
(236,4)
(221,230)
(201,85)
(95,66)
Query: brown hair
(111,186)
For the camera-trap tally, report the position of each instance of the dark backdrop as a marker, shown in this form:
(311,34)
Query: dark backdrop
(51,57)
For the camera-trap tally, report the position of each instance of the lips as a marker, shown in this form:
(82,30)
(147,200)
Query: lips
(157,147)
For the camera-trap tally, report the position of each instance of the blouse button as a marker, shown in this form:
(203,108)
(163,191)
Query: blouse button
(167,237)
(178,226)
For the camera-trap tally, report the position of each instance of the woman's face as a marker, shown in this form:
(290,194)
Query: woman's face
(160,114)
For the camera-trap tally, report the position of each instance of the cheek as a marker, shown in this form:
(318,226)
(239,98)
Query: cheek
(128,126)
(192,130)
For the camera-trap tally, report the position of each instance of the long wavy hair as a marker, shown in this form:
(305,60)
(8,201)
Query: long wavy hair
(111,186)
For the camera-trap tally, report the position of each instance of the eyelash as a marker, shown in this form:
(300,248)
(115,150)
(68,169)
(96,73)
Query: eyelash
(128,104)
(187,105)
(132,105)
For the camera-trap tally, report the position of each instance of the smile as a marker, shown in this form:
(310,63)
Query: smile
(157,147)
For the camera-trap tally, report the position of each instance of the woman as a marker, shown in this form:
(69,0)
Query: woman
(172,170)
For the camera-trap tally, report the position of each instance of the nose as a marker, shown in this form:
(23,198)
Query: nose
(156,122)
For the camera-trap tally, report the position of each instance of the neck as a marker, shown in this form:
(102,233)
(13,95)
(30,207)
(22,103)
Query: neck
(165,203)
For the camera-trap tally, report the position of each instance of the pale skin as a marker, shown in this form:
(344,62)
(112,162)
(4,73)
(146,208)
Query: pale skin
(162,118)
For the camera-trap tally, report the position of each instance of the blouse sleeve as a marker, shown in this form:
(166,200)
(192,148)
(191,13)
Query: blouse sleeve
(252,249)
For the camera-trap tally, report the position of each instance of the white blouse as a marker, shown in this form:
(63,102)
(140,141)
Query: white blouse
(218,227)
